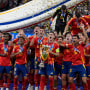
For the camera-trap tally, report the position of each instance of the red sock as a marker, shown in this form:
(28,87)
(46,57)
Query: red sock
(46,80)
(12,76)
(5,78)
(51,82)
(78,82)
(42,82)
(1,83)
(72,86)
(64,87)
(36,80)
(88,81)
(8,83)
(15,83)
(31,79)
(24,84)
(39,78)
(85,86)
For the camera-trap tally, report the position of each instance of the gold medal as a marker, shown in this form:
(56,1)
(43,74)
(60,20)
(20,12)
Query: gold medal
(63,20)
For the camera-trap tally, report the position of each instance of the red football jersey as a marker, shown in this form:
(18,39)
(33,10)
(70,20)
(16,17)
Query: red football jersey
(75,29)
(87,18)
(21,58)
(15,41)
(68,52)
(38,45)
(54,48)
(78,55)
(5,61)
(87,59)
(1,40)
(59,59)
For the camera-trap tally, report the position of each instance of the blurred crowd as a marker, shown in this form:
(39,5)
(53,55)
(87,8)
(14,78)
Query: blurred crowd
(8,4)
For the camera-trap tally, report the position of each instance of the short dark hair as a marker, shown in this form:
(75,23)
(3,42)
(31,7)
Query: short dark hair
(10,36)
(78,14)
(21,37)
(76,36)
(52,32)
(68,33)
(81,33)
(60,37)
(63,7)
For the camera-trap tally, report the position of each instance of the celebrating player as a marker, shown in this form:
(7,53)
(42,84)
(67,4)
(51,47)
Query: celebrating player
(32,58)
(49,63)
(62,14)
(58,63)
(38,41)
(75,24)
(5,62)
(20,52)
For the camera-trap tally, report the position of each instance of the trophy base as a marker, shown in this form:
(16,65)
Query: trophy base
(41,65)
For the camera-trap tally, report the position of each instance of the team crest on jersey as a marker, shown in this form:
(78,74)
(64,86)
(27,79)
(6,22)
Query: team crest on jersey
(84,75)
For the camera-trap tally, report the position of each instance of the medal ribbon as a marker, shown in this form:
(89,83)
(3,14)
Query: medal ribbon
(21,48)
(52,46)
(62,14)
(78,22)
(76,50)
(86,45)
(39,41)
(5,49)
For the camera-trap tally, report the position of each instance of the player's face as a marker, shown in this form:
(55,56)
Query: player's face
(55,33)
(6,38)
(51,36)
(41,32)
(21,41)
(64,11)
(68,37)
(75,40)
(36,29)
(60,40)
(80,36)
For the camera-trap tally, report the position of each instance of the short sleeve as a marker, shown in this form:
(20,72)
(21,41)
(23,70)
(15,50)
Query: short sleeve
(70,21)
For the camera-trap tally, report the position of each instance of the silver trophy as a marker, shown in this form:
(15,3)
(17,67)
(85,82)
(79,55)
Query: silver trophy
(43,55)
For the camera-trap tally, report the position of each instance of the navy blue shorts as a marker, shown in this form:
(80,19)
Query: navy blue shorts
(58,69)
(43,71)
(36,63)
(20,68)
(7,69)
(47,70)
(88,71)
(66,67)
(32,63)
(77,69)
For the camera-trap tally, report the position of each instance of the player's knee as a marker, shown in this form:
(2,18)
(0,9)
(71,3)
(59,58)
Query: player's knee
(84,81)
(63,77)
(36,71)
(70,81)
(9,76)
(55,78)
